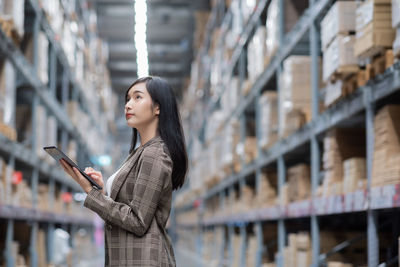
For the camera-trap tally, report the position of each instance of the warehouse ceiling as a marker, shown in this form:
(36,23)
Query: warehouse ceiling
(170,29)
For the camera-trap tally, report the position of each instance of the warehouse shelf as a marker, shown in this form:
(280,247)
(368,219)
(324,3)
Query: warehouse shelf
(35,169)
(360,107)
(28,157)
(8,48)
(383,86)
(53,39)
(385,197)
(290,41)
(27,214)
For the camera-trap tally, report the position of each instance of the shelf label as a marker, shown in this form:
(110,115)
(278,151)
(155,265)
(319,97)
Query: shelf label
(360,200)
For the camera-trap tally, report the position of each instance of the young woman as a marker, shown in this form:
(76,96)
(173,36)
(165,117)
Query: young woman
(136,201)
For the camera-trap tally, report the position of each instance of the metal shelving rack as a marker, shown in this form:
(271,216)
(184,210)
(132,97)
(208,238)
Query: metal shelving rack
(363,100)
(14,151)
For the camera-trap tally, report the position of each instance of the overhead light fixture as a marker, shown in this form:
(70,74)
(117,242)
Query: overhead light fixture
(140,38)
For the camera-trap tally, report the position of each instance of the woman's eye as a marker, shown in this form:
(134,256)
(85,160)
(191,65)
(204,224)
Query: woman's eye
(138,96)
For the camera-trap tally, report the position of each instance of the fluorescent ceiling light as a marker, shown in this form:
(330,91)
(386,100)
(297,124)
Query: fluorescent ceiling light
(140,38)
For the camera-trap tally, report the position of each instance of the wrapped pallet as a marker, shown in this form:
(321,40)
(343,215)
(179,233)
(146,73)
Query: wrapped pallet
(12,11)
(291,17)
(43,53)
(268,119)
(340,20)
(374,30)
(7,100)
(386,160)
(256,53)
(396,25)
(295,100)
(299,182)
(339,57)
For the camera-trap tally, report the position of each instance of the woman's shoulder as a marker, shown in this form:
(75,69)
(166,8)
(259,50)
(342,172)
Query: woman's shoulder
(156,150)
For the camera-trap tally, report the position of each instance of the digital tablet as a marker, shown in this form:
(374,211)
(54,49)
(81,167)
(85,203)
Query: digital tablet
(57,154)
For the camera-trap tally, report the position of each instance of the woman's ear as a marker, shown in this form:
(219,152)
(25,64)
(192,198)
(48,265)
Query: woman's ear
(157,109)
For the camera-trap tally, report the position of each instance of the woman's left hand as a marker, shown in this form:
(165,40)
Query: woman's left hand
(77,176)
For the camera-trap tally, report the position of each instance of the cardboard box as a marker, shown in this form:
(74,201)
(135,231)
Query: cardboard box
(295,83)
(43,57)
(299,185)
(340,19)
(355,174)
(256,53)
(13,10)
(395,13)
(373,28)
(339,57)
(268,118)
(386,163)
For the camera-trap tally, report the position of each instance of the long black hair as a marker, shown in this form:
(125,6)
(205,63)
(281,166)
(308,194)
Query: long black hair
(169,125)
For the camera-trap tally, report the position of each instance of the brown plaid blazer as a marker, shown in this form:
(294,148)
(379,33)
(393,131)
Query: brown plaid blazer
(138,208)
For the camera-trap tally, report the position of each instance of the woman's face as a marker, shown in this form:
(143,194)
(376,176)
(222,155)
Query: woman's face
(139,108)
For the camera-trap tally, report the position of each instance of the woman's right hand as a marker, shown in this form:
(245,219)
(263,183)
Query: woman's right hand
(96,176)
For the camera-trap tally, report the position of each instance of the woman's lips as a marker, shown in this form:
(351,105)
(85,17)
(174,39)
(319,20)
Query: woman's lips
(128,115)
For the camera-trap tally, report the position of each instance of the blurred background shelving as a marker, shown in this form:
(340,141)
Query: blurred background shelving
(291,117)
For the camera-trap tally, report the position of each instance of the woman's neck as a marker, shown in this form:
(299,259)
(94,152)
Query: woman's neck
(148,133)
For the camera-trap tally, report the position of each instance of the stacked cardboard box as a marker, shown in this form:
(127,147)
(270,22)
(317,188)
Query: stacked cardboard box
(251,250)
(250,149)
(298,182)
(268,187)
(386,162)
(396,25)
(22,195)
(12,12)
(201,18)
(268,119)
(354,254)
(340,19)
(256,53)
(284,195)
(340,145)
(2,181)
(374,30)
(298,252)
(272,24)
(296,93)
(7,100)
(355,174)
(236,245)
(337,37)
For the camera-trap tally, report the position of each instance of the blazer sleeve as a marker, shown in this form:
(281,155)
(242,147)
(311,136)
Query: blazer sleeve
(155,166)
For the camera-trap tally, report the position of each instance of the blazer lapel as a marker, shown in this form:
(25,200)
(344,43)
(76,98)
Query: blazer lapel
(129,162)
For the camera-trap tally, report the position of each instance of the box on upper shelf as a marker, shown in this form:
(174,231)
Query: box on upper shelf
(268,119)
(340,19)
(12,12)
(374,30)
(299,186)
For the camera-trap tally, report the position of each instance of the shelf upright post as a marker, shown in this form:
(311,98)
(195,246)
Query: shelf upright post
(258,224)
(372,215)
(50,226)
(33,247)
(53,71)
(315,151)
(280,160)
(230,232)
(243,247)
(10,261)
(222,199)
(281,222)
